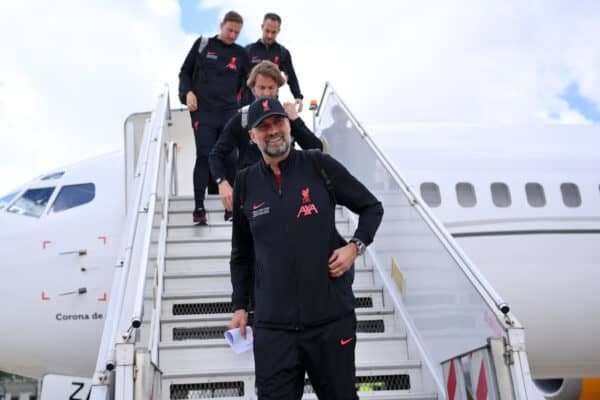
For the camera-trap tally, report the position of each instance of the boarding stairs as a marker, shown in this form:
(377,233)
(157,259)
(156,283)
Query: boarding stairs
(171,298)
(194,358)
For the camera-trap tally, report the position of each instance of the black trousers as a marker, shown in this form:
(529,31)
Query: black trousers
(205,137)
(325,353)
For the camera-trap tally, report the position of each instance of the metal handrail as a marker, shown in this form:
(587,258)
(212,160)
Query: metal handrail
(106,359)
(136,319)
(160,257)
(125,269)
(466,266)
(513,332)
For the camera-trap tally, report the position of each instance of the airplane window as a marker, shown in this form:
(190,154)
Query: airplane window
(32,203)
(501,194)
(54,175)
(535,194)
(73,196)
(570,194)
(430,192)
(465,194)
(4,201)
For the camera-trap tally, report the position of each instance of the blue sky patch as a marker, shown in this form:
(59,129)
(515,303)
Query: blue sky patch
(584,105)
(195,19)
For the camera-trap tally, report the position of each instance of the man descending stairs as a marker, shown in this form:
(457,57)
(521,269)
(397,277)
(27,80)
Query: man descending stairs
(196,361)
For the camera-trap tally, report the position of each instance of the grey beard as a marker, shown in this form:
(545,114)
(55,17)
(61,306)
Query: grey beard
(285,146)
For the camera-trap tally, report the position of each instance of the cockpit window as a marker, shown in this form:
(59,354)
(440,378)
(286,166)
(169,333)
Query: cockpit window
(73,196)
(4,201)
(32,203)
(54,175)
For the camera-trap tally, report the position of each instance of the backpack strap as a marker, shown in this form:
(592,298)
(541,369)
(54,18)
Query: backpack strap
(203,44)
(315,156)
(244,112)
(200,58)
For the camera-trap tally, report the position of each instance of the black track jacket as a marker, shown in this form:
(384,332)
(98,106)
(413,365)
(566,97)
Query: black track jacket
(280,56)
(215,76)
(235,136)
(291,235)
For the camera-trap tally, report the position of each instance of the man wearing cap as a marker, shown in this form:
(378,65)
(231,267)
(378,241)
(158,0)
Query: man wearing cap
(264,80)
(284,220)
(211,81)
(267,48)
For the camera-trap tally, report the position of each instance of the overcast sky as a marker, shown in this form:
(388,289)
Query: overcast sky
(72,71)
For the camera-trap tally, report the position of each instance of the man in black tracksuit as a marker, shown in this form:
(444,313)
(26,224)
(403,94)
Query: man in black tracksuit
(284,220)
(267,48)
(211,81)
(264,81)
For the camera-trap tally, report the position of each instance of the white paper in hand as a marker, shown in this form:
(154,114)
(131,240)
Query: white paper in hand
(236,340)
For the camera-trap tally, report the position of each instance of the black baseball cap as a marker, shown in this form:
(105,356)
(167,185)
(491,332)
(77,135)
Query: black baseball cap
(262,108)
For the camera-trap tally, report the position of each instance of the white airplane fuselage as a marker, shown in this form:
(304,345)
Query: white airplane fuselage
(542,260)
(56,271)
(540,254)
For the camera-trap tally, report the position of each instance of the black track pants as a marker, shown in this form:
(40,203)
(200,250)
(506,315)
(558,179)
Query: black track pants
(325,352)
(205,138)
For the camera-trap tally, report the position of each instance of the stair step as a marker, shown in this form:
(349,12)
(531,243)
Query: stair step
(211,264)
(371,321)
(187,281)
(386,395)
(223,389)
(197,246)
(245,367)
(177,329)
(216,215)
(187,229)
(219,302)
(186,204)
(193,265)
(223,318)
(405,374)
(182,356)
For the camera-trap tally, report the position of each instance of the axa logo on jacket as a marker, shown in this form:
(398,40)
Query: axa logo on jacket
(307,207)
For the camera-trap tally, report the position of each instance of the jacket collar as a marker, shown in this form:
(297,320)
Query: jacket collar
(260,42)
(284,165)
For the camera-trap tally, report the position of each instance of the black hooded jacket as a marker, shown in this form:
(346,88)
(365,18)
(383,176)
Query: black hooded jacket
(217,75)
(279,55)
(291,235)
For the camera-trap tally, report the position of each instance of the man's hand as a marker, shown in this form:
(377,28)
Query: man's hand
(300,105)
(341,260)
(290,110)
(239,320)
(226,195)
(191,101)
